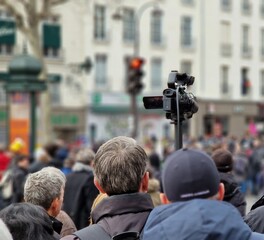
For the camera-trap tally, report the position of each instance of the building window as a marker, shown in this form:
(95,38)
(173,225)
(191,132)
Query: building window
(2,93)
(262,83)
(100,70)
(261,8)
(7,34)
(156,21)
(186,31)
(186,67)
(245,83)
(55,93)
(156,73)
(187,2)
(226,47)
(224,80)
(99,22)
(246,49)
(129,25)
(226,5)
(246,7)
(262,42)
(51,40)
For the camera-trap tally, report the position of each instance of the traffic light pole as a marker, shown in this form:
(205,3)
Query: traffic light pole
(133,96)
(134,112)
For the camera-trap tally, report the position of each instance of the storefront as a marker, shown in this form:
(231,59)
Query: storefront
(219,118)
(68,123)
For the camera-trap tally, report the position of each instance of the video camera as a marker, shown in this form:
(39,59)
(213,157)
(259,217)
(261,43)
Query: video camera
(178,104)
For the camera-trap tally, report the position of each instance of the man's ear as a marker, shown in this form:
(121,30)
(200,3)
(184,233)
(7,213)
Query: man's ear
(53,209)
(221,192)
(98,186)
(164,199)
(144,183)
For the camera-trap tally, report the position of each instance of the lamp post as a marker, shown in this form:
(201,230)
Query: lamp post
(136,53)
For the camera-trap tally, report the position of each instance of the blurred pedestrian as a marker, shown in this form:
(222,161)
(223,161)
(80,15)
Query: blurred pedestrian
(120,172)
(80,190)
(224,163)
(27,222)
(153,188)
(4,161)
(51,149)
(192,186)
(42,160)
(19,174)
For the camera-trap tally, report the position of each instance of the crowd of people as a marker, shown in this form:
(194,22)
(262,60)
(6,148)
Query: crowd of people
(121,189)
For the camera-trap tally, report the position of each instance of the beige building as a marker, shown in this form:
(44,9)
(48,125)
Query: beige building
(219,42)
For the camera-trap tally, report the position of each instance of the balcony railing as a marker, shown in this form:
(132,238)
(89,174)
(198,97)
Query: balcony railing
(246,51)
(226,49)
(189,46)
(227,94)
(261,11)
(160,43)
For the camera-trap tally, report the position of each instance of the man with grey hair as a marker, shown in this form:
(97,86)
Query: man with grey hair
(80,190)
(120,172)
(46,188)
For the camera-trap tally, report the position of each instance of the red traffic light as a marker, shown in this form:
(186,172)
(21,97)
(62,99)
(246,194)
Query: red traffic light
(136,63)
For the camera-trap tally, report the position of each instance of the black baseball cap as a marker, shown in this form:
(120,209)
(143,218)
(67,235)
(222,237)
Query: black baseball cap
(190,174)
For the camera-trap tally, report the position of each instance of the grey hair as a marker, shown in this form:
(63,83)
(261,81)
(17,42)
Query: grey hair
(85,156)
(42,187)
(120,165)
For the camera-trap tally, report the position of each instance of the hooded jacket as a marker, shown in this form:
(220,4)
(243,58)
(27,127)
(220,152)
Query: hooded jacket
(233,194)
(197,219)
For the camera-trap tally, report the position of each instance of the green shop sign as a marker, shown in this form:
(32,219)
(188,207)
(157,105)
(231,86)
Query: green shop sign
(65,119)
(7,32)
(3,116)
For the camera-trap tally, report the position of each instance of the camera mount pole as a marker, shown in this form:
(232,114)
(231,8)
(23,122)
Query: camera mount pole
(177,134)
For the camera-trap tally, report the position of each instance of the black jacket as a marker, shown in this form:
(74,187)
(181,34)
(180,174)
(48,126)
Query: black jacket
(233,194)
(57,226)
(79,195)
(254,219)
(121,213)
(19,177)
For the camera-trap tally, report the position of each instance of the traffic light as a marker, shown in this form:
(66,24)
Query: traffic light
(134,75)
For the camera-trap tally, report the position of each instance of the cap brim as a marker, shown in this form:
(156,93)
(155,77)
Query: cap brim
(256,236)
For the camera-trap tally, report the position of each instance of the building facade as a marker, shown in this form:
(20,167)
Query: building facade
(219,42)
(64,56)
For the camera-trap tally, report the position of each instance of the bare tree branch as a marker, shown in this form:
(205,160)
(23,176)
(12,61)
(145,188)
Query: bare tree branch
(16,14)
(45,11)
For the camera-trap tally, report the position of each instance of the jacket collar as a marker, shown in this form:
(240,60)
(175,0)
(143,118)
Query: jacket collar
(56,224)
(122,204)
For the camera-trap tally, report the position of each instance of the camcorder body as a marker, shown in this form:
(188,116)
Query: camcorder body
(175,99)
